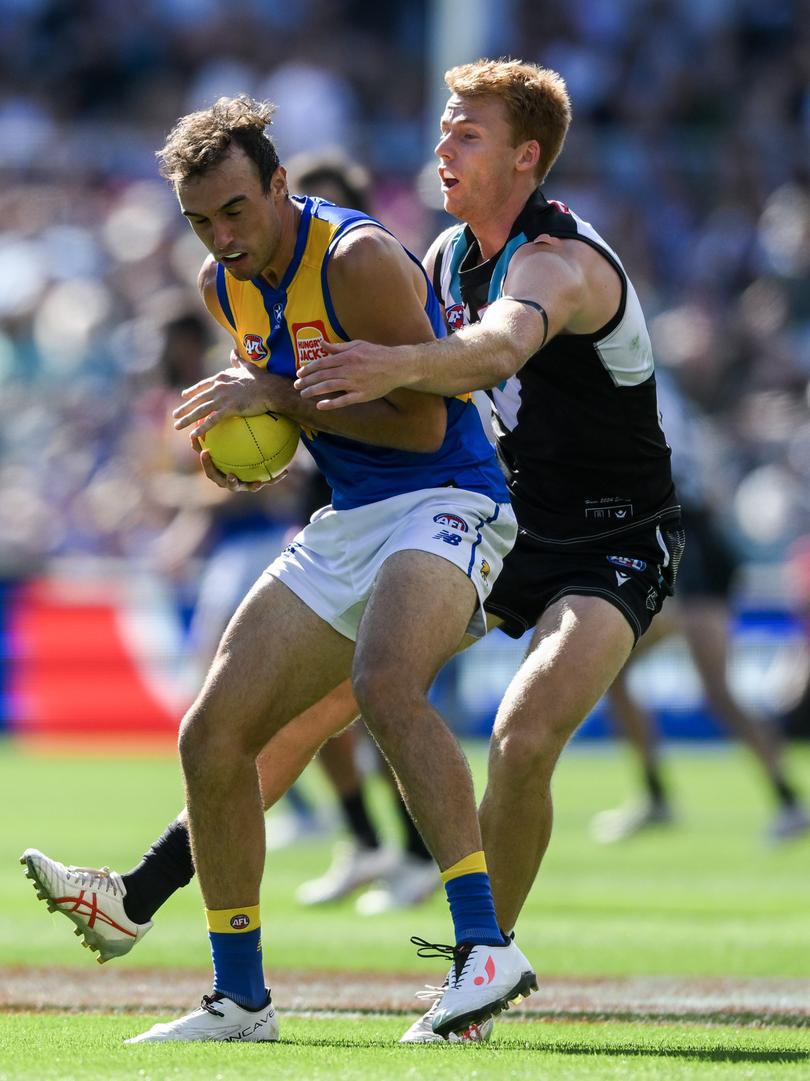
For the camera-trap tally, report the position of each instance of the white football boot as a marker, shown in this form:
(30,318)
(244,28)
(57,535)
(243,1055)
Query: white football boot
(352,866)
(619,823)
(421,1031)
(483,981)
(411,882)
(790,822)
(91,898)
(217,1019)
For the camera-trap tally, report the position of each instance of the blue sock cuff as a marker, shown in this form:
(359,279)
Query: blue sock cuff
(473,910)
(238,971)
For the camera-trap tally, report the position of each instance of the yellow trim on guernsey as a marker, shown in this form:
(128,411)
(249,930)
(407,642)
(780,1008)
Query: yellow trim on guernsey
(474,864)
(233,921)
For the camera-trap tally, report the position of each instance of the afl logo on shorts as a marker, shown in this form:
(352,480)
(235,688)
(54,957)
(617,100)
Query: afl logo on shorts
(254,347)
(240,921)
(455,316)
(452,521)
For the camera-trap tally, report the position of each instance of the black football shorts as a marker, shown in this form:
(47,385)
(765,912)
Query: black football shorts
(633,570)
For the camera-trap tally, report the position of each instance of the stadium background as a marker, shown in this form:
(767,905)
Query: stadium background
(689,152)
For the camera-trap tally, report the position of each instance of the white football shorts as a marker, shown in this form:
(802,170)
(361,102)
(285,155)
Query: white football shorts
(333,562)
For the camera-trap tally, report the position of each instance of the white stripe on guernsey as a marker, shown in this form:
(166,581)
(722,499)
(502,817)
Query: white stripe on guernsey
(507,401)
(445,278)
(626,352)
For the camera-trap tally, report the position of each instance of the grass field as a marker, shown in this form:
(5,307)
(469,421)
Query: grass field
(704,901)
(36,1048)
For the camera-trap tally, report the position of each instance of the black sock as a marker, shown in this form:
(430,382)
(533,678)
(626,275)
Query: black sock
(655,787)
(785,792)
(165,868)
(356,814)
(414,845)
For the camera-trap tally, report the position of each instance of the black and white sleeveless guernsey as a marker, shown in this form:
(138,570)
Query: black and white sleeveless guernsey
(578,428)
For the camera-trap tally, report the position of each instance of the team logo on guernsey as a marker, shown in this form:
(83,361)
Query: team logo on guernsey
(309,339)
(240,921)
(455,316)
(254,347)
(486,570)
(627,562)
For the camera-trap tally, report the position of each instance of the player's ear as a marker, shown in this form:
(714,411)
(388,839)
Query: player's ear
(278,183)
(528,155)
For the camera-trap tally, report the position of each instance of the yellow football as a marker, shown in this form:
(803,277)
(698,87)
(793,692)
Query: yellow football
(253,448)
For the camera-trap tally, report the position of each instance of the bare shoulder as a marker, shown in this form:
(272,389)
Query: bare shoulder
(378,291)
(547,266)
(545,253)
(207,278)
(367,251)
(576,285)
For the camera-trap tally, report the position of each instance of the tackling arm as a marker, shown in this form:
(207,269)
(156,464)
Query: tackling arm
(545,288)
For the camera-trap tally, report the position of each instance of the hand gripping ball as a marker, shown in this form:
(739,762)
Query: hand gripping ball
(253,448)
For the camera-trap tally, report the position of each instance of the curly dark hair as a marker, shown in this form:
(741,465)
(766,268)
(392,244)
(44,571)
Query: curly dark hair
(201,140)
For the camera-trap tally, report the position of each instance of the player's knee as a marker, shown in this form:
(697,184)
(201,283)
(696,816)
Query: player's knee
(191,744)
(381,694)
(530,749)
(202,744)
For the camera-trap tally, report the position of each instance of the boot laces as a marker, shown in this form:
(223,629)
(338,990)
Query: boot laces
(429,992)
(459,955)
(98,878)
(207,1004)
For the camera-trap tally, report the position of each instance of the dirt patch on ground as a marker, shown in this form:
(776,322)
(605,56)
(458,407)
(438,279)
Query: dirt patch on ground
(112,988)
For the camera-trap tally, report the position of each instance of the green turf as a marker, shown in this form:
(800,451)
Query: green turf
(705,898)
(89,1048)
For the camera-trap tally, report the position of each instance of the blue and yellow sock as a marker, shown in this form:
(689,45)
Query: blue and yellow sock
(469,895)
(236,950)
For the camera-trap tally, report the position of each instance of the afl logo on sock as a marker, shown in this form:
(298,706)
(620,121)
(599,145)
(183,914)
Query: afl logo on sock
(240,922)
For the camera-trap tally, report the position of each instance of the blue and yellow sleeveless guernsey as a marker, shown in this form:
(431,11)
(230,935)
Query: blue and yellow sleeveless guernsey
(281,328)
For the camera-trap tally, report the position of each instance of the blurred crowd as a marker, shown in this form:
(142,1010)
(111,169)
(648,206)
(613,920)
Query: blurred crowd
(690,152)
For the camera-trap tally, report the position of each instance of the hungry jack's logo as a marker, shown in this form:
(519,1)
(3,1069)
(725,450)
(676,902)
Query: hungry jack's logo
(309,339)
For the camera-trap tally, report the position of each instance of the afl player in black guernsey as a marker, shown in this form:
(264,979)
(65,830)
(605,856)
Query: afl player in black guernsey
(546,320)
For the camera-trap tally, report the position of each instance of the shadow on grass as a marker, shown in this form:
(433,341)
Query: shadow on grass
(699,1054)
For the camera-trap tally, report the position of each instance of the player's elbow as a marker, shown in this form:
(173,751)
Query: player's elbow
(428,432)
(430,437)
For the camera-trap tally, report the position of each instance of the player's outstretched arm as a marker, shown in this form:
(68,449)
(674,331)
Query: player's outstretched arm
(545,288)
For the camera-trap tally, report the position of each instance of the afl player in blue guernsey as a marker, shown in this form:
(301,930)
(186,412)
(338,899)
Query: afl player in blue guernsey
(397,568)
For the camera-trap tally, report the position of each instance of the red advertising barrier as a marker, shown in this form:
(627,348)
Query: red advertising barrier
(91,659)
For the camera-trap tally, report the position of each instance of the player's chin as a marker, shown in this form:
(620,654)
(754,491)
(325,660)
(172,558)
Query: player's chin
(240,268)
(452,203)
